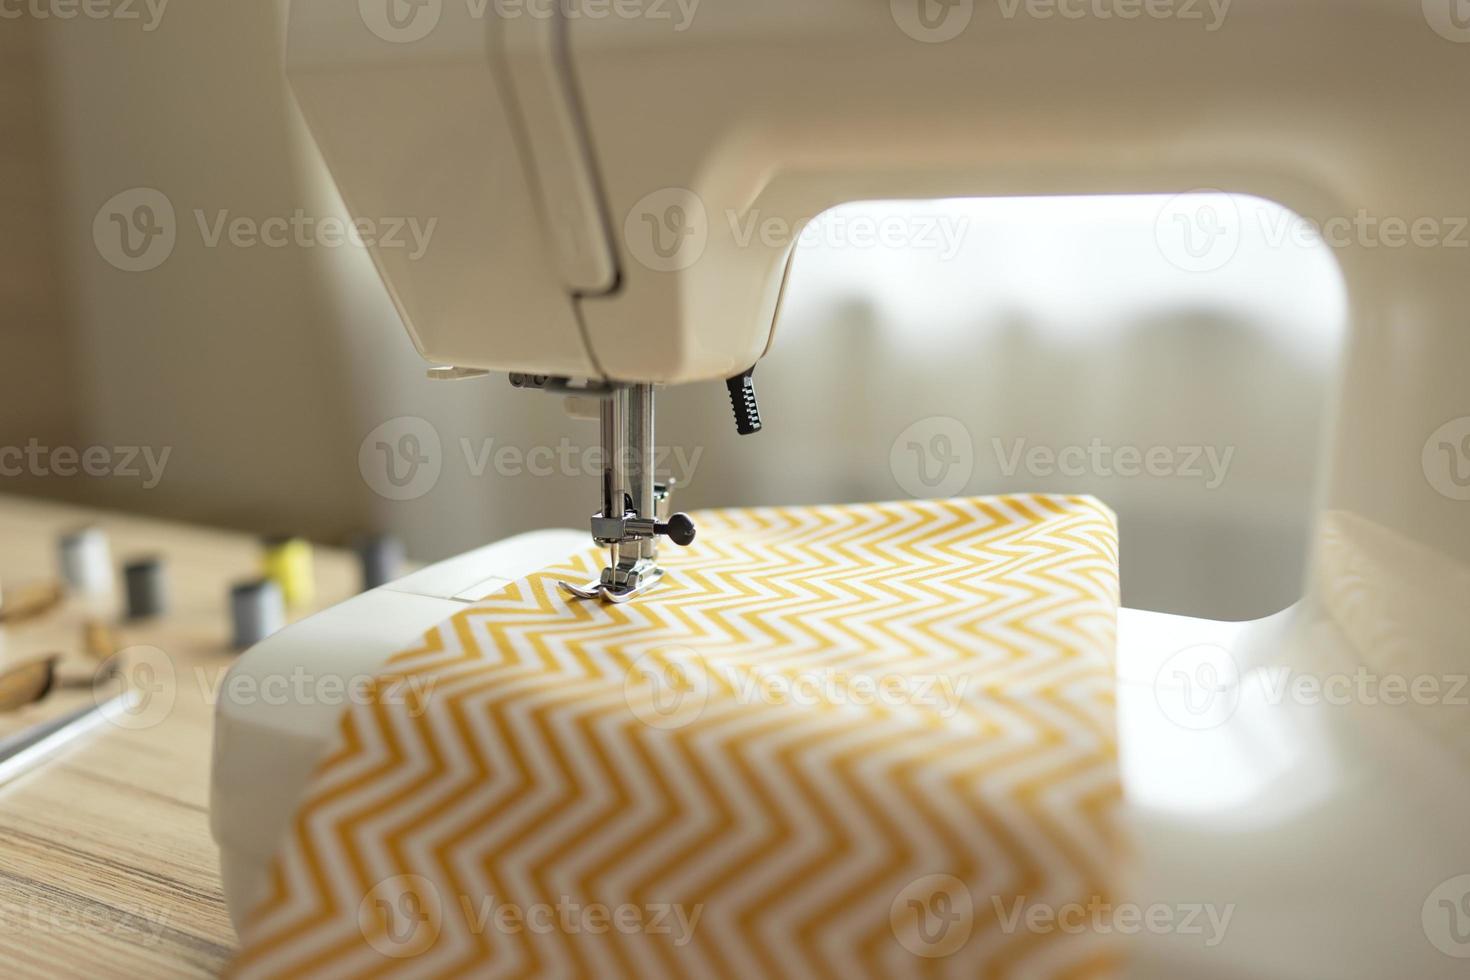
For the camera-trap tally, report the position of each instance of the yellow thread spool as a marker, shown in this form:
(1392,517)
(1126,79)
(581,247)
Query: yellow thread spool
(288,564)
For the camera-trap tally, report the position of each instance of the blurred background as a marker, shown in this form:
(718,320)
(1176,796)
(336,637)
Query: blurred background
(995,346)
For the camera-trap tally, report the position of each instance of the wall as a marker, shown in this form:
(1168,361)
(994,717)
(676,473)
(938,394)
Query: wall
(35,348)
(225,357)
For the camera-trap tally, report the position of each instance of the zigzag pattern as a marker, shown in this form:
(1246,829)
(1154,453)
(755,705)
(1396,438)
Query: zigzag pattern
(836,741)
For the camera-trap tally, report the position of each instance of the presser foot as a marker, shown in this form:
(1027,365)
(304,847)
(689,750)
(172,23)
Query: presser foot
(617,587)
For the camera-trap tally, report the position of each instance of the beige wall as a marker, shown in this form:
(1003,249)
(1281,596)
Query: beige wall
(37,396)
(226,357)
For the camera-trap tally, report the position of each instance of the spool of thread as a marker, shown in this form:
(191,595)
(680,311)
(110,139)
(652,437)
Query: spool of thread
(381,559)
(257,610)
(146,588)
(288,564)
(86,561)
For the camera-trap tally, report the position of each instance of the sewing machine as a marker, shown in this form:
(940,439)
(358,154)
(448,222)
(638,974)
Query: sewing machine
(585,170)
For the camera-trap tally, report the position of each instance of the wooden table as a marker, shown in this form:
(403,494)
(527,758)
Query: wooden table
(106,862)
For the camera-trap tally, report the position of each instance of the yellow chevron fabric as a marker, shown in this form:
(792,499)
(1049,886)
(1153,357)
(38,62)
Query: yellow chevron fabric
(836,741)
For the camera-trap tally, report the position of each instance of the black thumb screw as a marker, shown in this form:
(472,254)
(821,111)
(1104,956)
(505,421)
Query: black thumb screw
(679,530)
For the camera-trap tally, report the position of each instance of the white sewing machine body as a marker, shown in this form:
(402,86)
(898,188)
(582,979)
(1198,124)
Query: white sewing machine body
(590,174)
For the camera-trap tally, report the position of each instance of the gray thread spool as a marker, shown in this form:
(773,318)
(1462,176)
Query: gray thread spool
(258,610)
(86,561)
(146,588)
(381,559)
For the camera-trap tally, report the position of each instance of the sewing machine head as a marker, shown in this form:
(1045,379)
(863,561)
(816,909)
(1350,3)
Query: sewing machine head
(595,176)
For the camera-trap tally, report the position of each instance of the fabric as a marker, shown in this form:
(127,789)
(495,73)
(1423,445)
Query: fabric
(835,741)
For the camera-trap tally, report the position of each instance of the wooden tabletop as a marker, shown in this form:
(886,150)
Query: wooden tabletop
(106,862)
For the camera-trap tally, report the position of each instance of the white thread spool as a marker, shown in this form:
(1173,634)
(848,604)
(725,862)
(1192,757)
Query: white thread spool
(86,562)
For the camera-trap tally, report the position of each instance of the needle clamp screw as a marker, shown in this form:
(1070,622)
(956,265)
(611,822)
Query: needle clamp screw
(679,529)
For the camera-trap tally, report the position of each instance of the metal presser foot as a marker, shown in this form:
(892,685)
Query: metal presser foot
(635,509)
